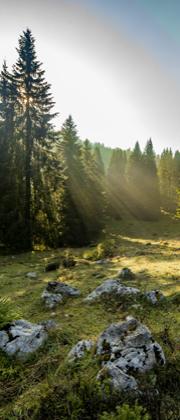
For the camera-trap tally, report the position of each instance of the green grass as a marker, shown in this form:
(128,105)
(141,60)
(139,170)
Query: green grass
(43,387)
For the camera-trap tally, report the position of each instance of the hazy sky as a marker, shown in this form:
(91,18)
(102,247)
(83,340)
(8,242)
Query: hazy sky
(113,64)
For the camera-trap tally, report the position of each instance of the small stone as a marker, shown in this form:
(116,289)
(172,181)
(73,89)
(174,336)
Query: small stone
(52,266)
(101,262)
(32,275)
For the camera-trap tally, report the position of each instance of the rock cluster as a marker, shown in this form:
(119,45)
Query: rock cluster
(124,349)
(55,293)
(22,338)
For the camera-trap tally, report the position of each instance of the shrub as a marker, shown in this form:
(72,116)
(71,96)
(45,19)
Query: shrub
(125,412)
(102,250)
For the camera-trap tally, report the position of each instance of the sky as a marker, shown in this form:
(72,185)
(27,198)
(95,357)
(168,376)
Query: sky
(114,65)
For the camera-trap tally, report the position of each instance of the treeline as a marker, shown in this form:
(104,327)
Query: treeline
(54,188)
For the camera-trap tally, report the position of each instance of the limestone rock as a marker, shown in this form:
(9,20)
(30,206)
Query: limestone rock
(78,351)
(51,299)
(63,288)
(56,291)
(127,347)
(111,287)
(154,296)
(22,338)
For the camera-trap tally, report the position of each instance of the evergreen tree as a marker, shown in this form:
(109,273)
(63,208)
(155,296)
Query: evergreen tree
(73,229)
(34,118)
(116,184)
(150,184)
(9,209)
(134,176)
(94,210)
(166,180)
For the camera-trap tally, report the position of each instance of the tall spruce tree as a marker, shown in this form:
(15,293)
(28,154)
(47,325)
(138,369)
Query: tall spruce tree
(166,172)
(94,210)
(150,184)
(9,212)
(73,228)
(134,177)
(116,184)
(34,120)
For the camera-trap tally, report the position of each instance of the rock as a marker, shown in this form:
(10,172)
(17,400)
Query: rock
(68,262)
(32,275)
(22,338)
(56,291)
(111,287)
(52,266)
(63,288)
(154,296)
(78,351)
(119,380)
(127,347)
(126,274)
(101,262)
(123,349)
(51,299)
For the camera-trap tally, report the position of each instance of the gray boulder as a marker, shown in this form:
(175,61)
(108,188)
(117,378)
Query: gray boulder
(111,287)
(55,293)
(154,296)
(127,347)
(78,351)
(22,338)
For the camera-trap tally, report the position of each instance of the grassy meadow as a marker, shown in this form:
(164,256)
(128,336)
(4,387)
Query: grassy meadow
(46,386)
